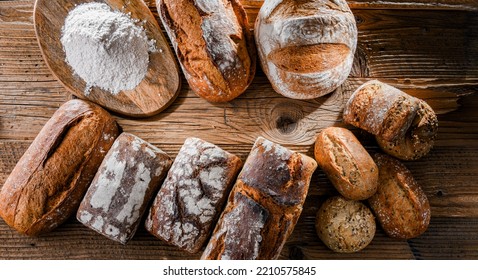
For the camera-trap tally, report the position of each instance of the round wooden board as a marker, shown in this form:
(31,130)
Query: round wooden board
(156,91)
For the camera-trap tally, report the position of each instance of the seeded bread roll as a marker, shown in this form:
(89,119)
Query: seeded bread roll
(399,204)
(404,126)
(419,138)
(49,181)
(306,48)
(346,163)
(194,192)
(213,43)
(345,226)
(126,181)
(264,204)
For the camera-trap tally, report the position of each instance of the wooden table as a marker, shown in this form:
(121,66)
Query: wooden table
(428,48)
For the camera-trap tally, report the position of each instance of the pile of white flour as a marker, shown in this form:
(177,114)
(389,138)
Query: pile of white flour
(105,47)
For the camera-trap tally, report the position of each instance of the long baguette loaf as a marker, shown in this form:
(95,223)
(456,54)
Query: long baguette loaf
(213,43)
(48,183)
(264,204)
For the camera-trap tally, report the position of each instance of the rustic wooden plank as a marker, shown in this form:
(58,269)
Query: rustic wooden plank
(430,51)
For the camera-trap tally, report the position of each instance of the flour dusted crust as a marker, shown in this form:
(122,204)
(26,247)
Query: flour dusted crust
(264,204)
(381,109)
(126,181)
(213,43)
(400,205)
(197,185)
(306,48)
(50,179)
(345,226)
(346,163)
(404,126)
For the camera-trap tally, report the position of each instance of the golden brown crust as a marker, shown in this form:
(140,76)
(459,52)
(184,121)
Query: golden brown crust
(345,226)
(419,138)
(346,163)
(381,109)
(213,43)
(50,179)
(272,187)
(399,204)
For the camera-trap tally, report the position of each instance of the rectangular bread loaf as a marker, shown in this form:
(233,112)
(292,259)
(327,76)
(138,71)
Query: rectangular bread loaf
(194,192)
(49,181)
(126,181)
(264,204)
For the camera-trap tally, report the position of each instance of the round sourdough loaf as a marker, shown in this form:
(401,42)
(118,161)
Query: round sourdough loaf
(306,48)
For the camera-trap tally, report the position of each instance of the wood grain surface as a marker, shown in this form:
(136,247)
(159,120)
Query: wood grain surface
(427,48)
(156,91)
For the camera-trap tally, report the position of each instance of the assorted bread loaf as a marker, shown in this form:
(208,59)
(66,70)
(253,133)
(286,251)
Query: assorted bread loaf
(186,208)
(400,204)
(404,126)
(345,226)
(306,48)
(264,204)
(126,181)
(346,163)
(50,179)
(213,43)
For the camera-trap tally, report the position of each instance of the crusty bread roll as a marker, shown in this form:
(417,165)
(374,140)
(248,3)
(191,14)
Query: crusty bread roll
(213,43)
(126,181)
(419,138)
(345,226)
(404,126)
(400,205)
(50,179)
(193,194)
(306,48)
(346,163)
(264,204)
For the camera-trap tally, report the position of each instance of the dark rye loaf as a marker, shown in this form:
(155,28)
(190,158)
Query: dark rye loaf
(264,204)
(193,194)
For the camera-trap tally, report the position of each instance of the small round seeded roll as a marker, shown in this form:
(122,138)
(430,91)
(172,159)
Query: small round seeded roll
(345,226)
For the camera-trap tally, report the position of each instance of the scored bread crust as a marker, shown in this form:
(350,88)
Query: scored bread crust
(213,43)
(400,205)
(264,204)
(346,163)
(50,179)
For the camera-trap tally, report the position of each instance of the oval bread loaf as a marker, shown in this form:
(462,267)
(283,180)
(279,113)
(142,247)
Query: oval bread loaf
(404,126)
(400,205)
(213,43)
(306,48)
(264,205)
(49,181)
(346,163)
(345,226)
